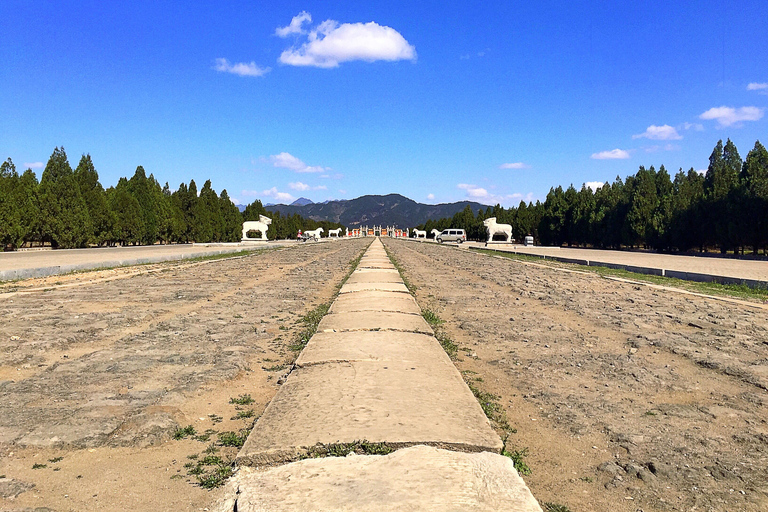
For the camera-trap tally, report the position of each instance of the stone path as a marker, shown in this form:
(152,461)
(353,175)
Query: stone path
(375,372)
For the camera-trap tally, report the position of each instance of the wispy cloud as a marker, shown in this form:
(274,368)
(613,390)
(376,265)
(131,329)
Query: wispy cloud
(288,161)
(330,43)
(515,165)
(698,127)
(594,185)
(614,154)
(241,68)
(665,147)
(34,165)
(473,191)
(295,27)
(431,197)
(729,116)
(663,132)
(482,195)
(761,88)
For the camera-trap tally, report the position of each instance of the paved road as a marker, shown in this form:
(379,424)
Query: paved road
(26,264)
(726,267)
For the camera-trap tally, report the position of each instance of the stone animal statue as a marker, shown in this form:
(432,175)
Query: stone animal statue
(260,225)
(315,234)
(418,233)
(334,232)
(493,228)
(435,232)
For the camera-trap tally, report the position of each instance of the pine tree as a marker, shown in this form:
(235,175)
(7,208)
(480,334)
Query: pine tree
(753,215)
(128,227)
(231,219)
(11,229)
(29,207)
(66,223)
(95,200)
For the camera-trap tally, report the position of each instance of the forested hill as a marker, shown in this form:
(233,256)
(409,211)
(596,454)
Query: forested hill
(388,210)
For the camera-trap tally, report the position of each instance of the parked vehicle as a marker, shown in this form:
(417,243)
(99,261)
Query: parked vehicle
(452,235)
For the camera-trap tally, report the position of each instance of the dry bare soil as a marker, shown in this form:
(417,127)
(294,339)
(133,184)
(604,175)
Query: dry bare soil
(98,371)
(628,398)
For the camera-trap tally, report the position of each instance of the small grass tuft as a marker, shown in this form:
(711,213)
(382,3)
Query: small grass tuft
(310,321)
(56,459)
(37,465)
(182,432)
(431,317)
(518,458)
(242,400)
(555,507)
(242,415)
(235,439)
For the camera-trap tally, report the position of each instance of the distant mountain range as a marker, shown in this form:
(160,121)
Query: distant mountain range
(391,209)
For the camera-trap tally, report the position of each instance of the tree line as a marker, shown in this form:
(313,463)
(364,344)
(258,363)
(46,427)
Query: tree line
(726,209)
(70,208)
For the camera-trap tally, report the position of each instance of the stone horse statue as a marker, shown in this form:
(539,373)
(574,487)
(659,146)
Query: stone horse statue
(418,233)
(334,232)
(260,225)
(434,233)
(493,228)
(314,234)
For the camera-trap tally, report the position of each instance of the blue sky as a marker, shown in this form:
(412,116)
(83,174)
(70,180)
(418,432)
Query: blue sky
(490,101)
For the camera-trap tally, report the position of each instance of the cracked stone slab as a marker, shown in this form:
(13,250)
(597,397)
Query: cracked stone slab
(374,320)
(384,287)
(397,403)
(385,346)
(375,276)
(375,300)
(410,479)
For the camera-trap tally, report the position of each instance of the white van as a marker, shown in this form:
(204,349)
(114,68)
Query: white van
(452,235)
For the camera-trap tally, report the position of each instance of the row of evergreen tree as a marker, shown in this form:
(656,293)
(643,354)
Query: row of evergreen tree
(725,209)
(69,209)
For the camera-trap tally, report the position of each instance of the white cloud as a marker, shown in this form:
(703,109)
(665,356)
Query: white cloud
(515,165)
(594,185)
(663,132)
(295,25)
(342,192)
(728,116)
(473,191)
(34,165)
(701,171)
(331,43)
(761,87)
(275,194)
(614,154)
(336,176)
(240,68)
(430,197)
(320,187)
(298,186)
(288,161)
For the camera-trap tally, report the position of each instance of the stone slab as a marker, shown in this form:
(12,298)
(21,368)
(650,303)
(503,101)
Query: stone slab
(412,479)
(374,320)
(375,300)
(384,287)
(375,276)
(388,346)
(399,403)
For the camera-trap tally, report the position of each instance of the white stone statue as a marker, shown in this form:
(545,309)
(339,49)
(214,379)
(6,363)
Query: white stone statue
(418,233)
(261,225)
(435,233)
(315,234)
(493,228)
(347,232)
(334,232)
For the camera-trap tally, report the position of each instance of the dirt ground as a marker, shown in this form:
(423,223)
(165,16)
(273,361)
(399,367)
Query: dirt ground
(628,398)
(98,370)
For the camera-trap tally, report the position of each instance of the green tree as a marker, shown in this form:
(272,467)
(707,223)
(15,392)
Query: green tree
(128,227)
(753,216)
(95,199)
(232,224)
(11,228)
(66,223)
